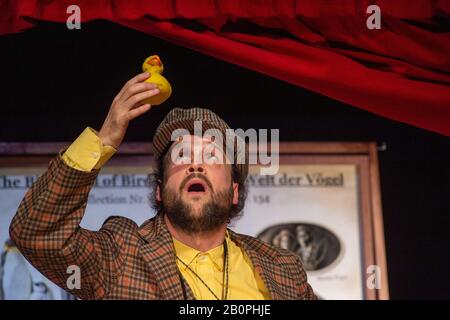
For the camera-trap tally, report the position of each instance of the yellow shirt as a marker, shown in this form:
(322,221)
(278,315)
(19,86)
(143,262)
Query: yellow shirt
(87,152)
(243,282)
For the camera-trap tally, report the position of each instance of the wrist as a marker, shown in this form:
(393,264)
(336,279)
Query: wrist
(107,141)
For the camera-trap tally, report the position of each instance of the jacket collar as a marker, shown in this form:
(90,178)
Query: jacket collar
(266,262)
(159,255)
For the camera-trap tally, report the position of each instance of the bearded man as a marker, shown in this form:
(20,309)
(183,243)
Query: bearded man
(186,251)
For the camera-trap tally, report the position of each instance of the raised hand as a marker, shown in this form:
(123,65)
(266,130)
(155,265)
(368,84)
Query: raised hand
(126,106)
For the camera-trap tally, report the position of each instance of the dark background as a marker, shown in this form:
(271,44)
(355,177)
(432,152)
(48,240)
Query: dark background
(55,82)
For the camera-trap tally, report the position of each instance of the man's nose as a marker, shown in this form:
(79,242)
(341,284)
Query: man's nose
(196,168)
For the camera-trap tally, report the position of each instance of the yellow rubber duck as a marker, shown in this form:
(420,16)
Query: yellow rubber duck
(154,66)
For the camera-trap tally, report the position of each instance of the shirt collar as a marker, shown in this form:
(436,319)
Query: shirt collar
(188,254)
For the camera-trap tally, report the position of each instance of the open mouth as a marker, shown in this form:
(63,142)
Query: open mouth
(196,186)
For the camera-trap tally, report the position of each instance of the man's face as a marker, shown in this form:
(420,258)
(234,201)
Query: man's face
(198,192)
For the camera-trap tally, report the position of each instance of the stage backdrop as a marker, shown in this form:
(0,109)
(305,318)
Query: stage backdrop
(323,205)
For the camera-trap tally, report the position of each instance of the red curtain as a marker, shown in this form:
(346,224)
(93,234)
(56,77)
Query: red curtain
(401,71)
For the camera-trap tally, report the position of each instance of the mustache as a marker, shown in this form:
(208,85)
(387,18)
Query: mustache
(196,175)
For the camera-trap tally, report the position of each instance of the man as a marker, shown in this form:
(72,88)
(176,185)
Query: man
(185,252)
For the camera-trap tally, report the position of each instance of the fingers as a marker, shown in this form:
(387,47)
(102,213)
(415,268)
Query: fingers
(136,79)
(138,111)
(136,88)
(135,99)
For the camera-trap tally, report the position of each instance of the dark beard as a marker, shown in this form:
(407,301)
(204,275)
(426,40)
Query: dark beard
(215,213)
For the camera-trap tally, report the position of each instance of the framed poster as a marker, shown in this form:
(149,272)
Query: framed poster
(323,204)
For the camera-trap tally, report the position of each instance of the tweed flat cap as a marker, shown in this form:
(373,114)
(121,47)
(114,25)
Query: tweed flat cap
(179,118)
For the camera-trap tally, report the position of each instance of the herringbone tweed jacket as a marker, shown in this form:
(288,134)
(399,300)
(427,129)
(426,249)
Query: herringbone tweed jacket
(123,260)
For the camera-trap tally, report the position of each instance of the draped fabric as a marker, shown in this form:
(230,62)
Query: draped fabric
(401,71)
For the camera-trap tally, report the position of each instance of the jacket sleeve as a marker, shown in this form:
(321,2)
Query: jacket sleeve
(46,231)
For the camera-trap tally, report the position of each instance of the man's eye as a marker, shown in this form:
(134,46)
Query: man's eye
(181,158)
(212,158)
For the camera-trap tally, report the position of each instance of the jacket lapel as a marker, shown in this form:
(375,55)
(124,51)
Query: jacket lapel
(264,259)
(158,252)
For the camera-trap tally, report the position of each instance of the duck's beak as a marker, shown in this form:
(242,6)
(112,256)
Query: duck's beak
(154,61)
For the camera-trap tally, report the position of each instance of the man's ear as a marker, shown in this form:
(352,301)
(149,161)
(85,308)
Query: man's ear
(235,193)
(158,192)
